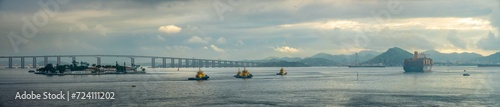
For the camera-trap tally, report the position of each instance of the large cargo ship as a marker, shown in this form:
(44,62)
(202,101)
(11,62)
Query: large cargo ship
(417,64)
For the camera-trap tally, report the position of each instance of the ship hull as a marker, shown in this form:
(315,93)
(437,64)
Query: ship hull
(417,65)
(409,68)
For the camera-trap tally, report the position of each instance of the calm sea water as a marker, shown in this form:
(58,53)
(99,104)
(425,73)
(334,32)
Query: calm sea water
(307,86)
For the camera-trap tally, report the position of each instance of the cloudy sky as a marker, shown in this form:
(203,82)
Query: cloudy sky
(246,29)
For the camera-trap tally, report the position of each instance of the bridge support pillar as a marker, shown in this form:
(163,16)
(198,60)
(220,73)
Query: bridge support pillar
(164,62)
(132,61)
(219,64)
(58,60)
(10,62)
(186,62)
(172,63)
(22,62)
(153,63)
(98,60)
(34,62)
(45,60)
(200,63)
(193,63)
(179,63)
(213,64)
(205,62)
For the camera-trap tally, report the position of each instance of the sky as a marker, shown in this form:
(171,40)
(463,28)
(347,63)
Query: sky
(246,29)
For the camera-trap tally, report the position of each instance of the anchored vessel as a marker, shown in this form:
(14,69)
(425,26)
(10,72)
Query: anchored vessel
(417,64)
(199,76)
(282,71)
(244,74)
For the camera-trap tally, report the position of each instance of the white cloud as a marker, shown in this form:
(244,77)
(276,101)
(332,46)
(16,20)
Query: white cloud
(217,49)
(197,39)
(221,40)
(169,29)
(286,49)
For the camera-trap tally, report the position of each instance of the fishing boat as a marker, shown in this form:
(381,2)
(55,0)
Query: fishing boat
(244,74)
(199,76)
(282,71)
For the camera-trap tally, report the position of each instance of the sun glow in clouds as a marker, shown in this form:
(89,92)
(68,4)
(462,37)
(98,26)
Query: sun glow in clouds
(286,49)
(400,24)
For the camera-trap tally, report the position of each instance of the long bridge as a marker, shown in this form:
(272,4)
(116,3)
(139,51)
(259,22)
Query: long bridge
(175,62)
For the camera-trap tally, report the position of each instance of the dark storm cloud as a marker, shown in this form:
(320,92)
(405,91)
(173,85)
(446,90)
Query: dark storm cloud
(491,42)
(456,40)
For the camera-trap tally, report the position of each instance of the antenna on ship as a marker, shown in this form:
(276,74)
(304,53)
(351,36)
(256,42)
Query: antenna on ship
(415,55)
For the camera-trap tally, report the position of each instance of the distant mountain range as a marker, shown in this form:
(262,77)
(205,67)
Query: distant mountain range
(451,57)
(491,59)
(325,59)
(392,57)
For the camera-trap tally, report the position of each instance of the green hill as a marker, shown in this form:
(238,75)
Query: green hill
(493,58)
(392,57)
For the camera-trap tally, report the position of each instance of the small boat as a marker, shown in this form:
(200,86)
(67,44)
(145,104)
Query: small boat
(31,71)
(199,76)
(466,73)
(282,72)
(244,74)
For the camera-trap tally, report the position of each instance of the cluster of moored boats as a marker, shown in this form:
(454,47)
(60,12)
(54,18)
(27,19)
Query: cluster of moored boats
(240,74)
(49,69)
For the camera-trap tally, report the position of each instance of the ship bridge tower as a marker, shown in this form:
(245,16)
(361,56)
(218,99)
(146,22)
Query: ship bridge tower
(415,55)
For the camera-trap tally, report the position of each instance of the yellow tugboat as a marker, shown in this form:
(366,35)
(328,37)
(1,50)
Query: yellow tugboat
(282,71)
(199,76)
(244,74)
